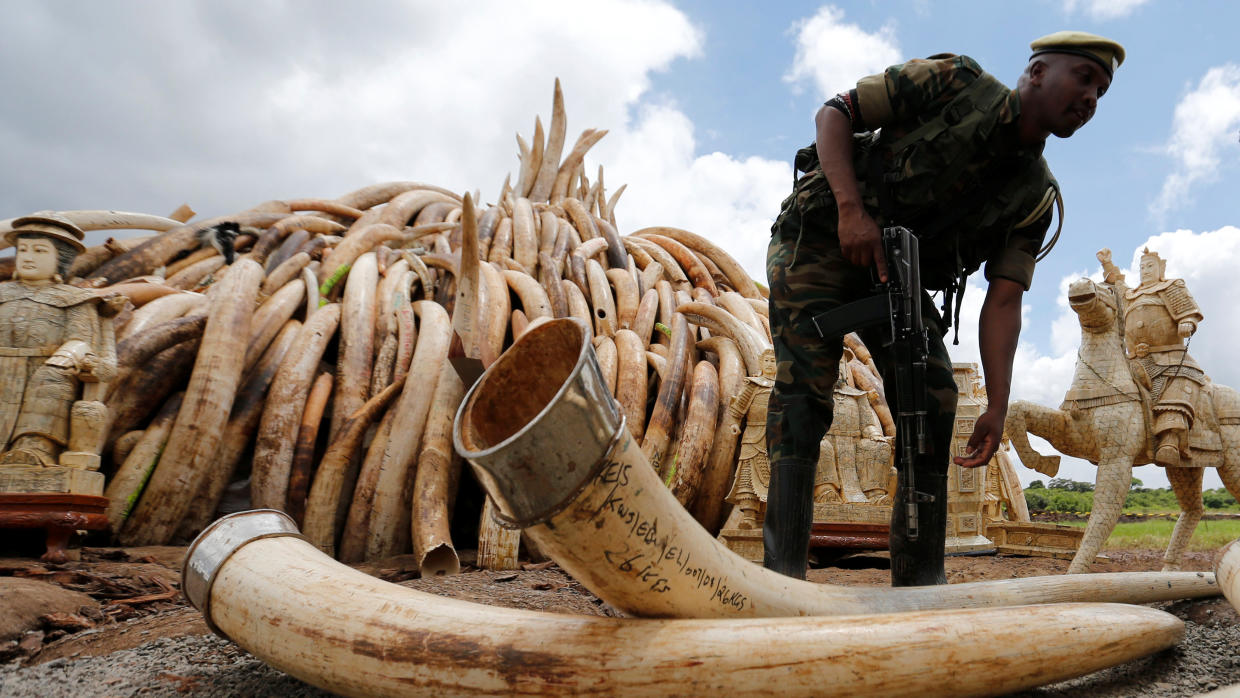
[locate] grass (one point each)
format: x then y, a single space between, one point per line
1156 533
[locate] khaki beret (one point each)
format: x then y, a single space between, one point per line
47 224
1105 52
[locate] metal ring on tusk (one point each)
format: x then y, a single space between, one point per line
217 542
535 450
512 524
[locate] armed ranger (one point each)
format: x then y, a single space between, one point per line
896 306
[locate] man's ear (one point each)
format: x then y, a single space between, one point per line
1037 71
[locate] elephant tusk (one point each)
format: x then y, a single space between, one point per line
283 273
167 307
534 300
356 345
239 433
631 385
438 473
601 299
644 319
608 360
200 423
736 275
1226 569
687 261
130 478
618 531
685 472
627 298
389 523
161 249
524 237
544 178
282 410
711 507
259 584
88 220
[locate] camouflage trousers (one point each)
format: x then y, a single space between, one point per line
808 275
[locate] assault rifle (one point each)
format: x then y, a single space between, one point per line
896 305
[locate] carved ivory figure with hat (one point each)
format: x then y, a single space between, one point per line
1159 315
53 338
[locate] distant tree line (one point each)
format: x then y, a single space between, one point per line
1064 495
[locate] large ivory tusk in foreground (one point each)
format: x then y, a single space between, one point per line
549 444
1227 569
259 584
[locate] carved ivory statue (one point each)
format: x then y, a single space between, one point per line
753 469
53 338
1159 314
855 450
1136 397
855 457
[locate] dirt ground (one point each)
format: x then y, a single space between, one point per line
127 631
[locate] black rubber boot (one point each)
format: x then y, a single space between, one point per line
920 562
789 515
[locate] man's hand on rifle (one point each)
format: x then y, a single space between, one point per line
987 434
861 240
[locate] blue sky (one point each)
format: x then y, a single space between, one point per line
144 106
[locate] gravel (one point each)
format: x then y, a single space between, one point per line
201 666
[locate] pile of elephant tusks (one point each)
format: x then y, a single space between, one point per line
319 354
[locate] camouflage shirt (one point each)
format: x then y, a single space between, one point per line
993 191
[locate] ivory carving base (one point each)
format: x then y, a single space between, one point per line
51 480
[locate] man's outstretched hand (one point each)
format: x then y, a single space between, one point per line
987 434
861 241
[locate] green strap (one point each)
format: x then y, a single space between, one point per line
985 91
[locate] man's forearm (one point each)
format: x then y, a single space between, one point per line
835 155
998 335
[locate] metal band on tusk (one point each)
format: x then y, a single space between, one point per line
536 449
217 542
518 524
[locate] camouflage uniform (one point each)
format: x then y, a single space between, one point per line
972 197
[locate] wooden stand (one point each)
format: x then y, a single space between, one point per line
59 514
841 537
1036 538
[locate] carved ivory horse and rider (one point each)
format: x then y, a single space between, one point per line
1136 399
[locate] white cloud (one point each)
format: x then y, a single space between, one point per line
445 109
235 121
729 200
241 119
1206 261
832 54
1103 9
1204 135
200 104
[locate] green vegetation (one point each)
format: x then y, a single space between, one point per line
1154 534
1070 496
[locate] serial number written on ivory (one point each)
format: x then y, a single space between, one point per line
652 556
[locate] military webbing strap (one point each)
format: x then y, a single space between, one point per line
985 91
974 113
1052 195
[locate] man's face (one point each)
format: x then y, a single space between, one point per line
36 258
1070 87
1149 270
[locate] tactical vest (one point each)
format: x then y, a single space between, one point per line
916 175
923 166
